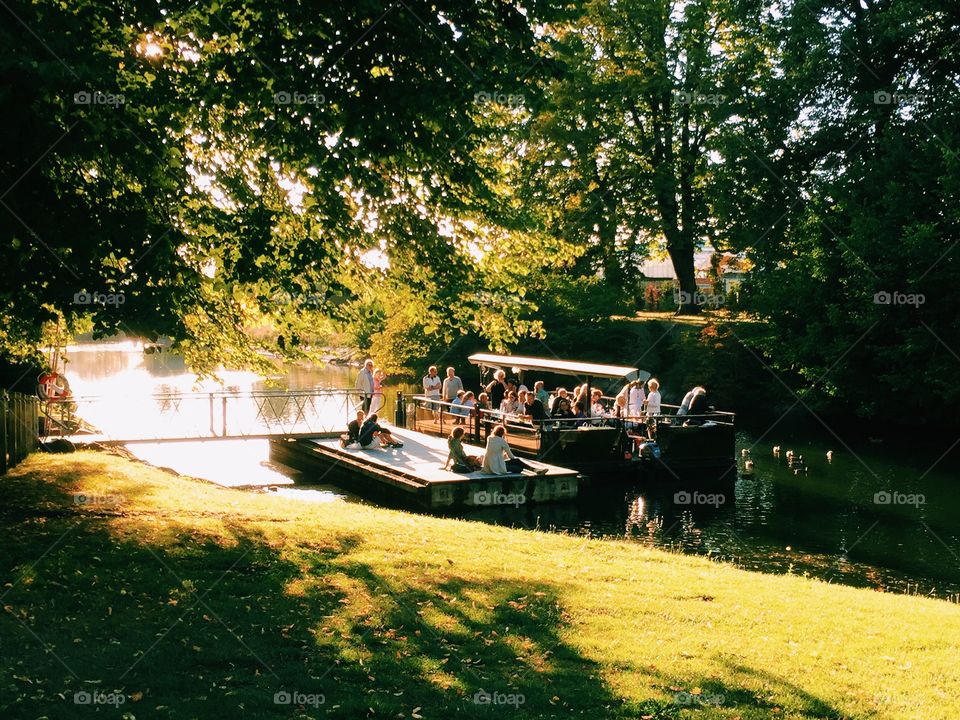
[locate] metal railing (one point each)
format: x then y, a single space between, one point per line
201 416
440 417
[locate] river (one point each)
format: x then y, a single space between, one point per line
875 516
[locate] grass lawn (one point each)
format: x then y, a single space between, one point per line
154 596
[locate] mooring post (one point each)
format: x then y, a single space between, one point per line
400 413
4 410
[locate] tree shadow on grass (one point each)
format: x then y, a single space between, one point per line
181 623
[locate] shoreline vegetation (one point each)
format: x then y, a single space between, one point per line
182 598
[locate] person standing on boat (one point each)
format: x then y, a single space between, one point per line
452 385
653 399
635 399
496 389
499 458
431 388
541 392
687 399
377 401
533 409
365 384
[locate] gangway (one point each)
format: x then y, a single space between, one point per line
202 416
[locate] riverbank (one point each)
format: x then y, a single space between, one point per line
186 599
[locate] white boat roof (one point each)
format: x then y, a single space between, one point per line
561 367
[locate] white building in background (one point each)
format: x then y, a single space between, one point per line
658 281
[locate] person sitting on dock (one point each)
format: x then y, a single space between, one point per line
353 430
499 458
462 462
372 435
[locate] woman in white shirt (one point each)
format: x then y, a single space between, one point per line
499 458
653 398
635 399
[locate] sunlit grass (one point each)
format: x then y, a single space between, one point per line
219 599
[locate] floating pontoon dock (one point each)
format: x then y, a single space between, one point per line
414 473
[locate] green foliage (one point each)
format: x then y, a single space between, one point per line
196 159
871 187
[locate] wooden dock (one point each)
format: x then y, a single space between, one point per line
414 473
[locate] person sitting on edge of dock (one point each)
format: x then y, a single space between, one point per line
499 458
462 462
353 430
372 435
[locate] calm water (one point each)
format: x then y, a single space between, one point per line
876 516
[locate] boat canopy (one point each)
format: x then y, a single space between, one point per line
561 367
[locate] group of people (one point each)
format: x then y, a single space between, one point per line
370 384
509 399
366 431
498 459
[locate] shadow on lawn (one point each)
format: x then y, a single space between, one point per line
194 626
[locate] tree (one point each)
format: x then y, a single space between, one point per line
175 167
854 278
625 151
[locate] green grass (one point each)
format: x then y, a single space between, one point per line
194 601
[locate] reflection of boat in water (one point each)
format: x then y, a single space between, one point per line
668 444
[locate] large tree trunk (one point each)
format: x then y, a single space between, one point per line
681 255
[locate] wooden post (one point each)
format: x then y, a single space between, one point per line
213 427
224 416
4 410
15 430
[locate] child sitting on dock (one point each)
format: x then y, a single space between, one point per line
353 430
372 435
462 463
